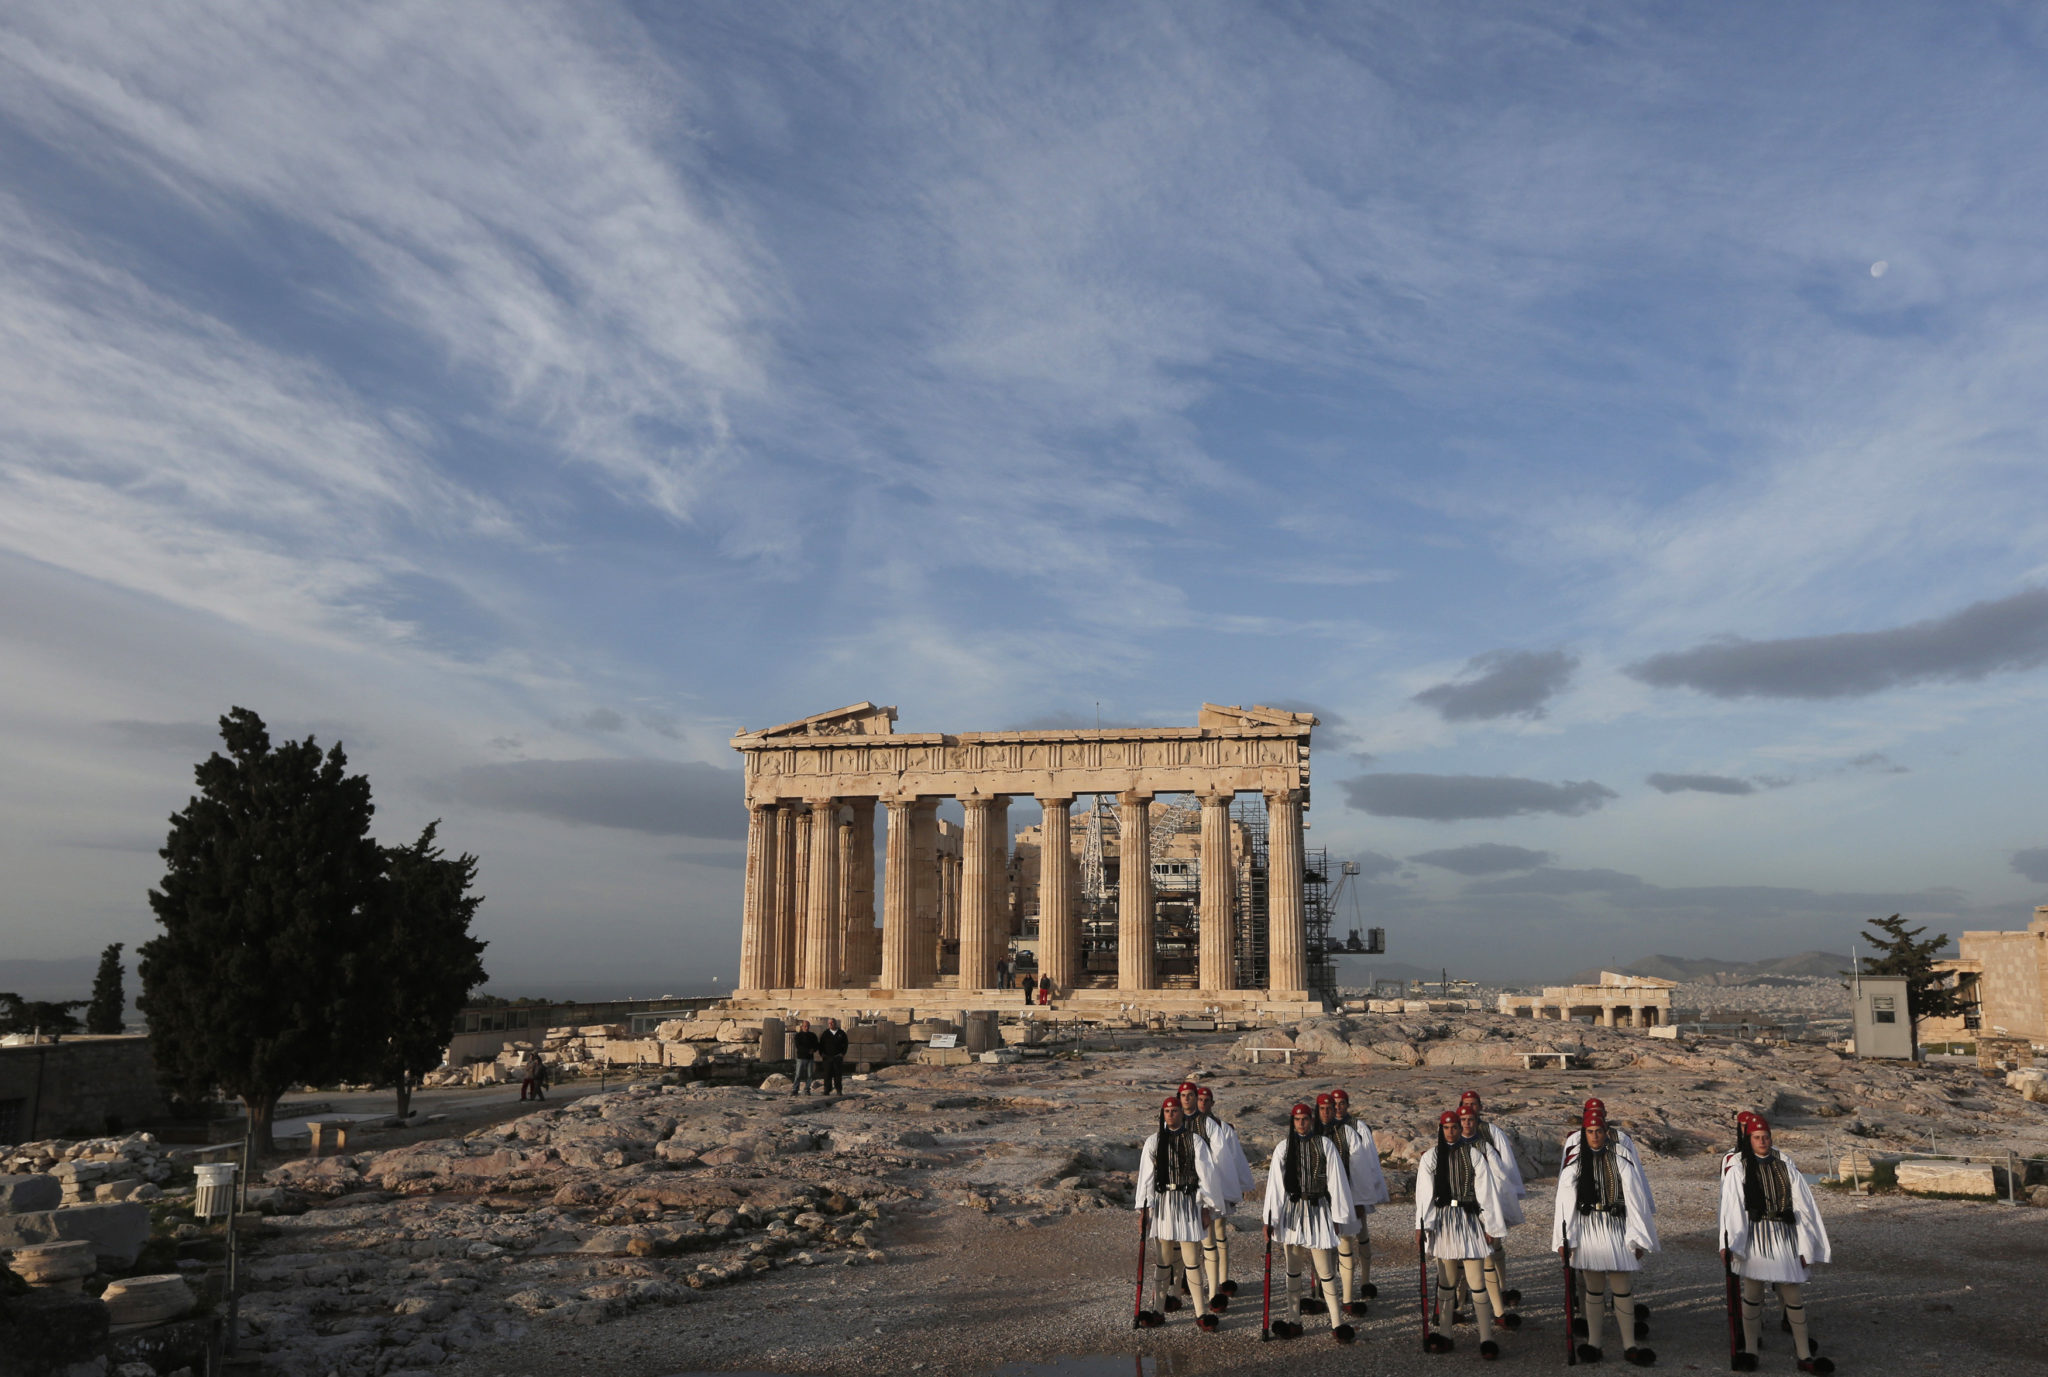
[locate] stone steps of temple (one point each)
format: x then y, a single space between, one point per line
1086 1004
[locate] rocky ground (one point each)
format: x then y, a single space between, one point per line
958 1219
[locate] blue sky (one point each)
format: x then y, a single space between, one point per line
1623 425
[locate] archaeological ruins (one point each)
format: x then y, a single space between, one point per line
953 898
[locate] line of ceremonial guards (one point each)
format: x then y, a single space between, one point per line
1323 1183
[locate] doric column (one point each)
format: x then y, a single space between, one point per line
864 959
1219 878
1134 958
757 921
790 864
949 909
924 845
999 905
1059 927
1286 936
899 898
977 960
821 900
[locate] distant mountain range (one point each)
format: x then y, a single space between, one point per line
1719 972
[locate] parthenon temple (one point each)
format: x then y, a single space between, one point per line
1138 916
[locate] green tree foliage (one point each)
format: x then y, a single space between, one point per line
18 1015
109 998
428 962
266 972
1900 950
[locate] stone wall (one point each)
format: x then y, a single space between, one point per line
2014 984
78 1088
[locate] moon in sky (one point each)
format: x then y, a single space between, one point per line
1877 268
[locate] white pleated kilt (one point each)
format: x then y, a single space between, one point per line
1177 1217
1307 1226
1457 1235
1773 1255
1600 1244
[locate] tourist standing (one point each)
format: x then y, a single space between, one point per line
832 1045
1460 1216
1044 989
1771 1231
1178 1183
1308 1189
1602 1225
803 1046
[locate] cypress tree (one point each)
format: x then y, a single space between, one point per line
427 960
263 975
109 999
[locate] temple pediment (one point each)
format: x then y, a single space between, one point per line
858 719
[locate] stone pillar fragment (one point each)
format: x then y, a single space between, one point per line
821 900
758 915
789 920
1059 926
1219 879
1134 916
900 927
1286 933
977 958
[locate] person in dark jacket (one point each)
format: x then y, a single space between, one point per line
803 1046
832 1047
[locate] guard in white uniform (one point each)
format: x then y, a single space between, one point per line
1235 1171
1178 1182
1368 1192
1308 1189
1602 1226
1771 1231
1459 1214
1473 1124
1638 1324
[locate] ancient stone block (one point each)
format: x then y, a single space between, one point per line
27 1194
148 1300
1948 1178
117 1232
54 1264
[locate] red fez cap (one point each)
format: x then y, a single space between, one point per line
1189 1085
1593 1114
1170 1102
1300 1108
1757 1121
1592 1105
1338 1094
1470 1097
1447 1118
1205 1093
1325 1098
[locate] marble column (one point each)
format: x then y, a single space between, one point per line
803 894
789 917
1134 916
999 903
1286 935
949 873
1219 879
849 931
1059 926
821 899
977 959
757 922
924 846
899 898
860 910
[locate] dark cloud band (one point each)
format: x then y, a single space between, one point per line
1484 858
1984 638
1699 784
1503 683
1451 798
